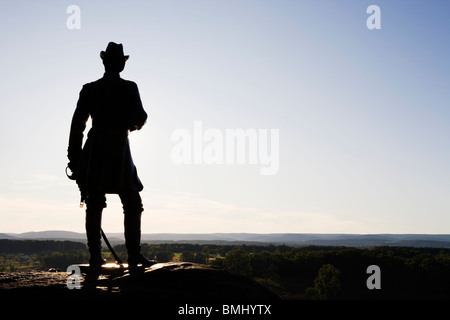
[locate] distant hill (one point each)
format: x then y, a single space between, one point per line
302 239
6 236
291 239
52 234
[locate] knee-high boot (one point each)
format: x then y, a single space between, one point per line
132 223
93 225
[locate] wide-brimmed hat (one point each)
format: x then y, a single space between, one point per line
113 51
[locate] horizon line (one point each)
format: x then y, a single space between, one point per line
212 233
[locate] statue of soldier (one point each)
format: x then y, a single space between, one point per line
104 165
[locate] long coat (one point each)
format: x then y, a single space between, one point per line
104 164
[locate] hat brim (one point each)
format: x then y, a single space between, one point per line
103 55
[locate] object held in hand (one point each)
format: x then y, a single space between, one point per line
71 176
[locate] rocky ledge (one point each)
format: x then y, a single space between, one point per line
171 281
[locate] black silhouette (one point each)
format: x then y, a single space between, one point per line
104 165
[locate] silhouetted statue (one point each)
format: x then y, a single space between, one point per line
104 165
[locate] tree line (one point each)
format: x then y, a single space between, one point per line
33 246
341 273
311 272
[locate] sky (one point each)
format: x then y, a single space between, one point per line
362 114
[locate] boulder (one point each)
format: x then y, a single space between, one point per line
163 281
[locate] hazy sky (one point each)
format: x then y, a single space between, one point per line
363 115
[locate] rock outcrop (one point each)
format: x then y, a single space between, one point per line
164 281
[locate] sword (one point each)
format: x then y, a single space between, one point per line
118 261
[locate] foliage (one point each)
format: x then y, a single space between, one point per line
62 260
196 257
33 246
238 261
311 272
327 284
